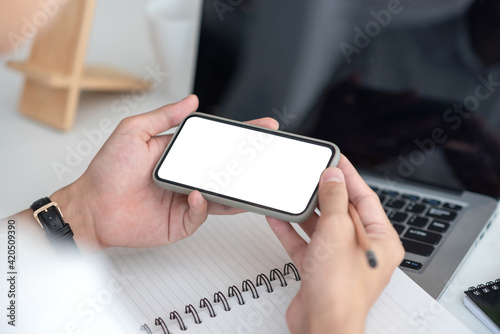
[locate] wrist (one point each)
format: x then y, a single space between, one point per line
75 205
345 320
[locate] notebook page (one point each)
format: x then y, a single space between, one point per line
265 314
229 249
225 251
404 307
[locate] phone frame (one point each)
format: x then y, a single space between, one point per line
235 202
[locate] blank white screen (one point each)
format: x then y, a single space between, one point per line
246 164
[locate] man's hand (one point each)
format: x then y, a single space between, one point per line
338 286
116 203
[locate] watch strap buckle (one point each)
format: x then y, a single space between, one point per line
45 208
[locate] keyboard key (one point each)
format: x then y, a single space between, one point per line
451 206
417 247
441 214
395 203
415 208
418 221
424 236
374 188
391 193
382 198
431 201
413 198
399 228
438 226
398 217
411 264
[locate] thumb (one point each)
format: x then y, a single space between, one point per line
197 212
157 121
333 199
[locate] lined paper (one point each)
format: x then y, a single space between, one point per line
225 251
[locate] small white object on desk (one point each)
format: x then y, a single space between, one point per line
174 28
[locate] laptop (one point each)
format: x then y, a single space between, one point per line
406 102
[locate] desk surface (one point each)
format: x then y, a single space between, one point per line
32 152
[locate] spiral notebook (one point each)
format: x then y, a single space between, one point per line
233 276
484 302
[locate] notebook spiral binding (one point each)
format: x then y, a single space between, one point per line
485 288
233 291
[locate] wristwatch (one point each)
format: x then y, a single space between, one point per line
50 218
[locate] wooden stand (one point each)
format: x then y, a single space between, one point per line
56 72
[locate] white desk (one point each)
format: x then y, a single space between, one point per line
29 149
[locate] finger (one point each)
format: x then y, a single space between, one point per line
158 144
365 200
221 209
309 226
197 212
336 227
266 122
333 200
157 121
293 243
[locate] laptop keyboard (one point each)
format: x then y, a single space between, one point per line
421 222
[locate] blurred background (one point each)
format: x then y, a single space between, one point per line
30 151
378 78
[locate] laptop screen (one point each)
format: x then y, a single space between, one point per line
407 90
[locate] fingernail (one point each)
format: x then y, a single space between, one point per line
200 200
333 174
277 124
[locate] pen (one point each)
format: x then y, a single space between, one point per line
363 240
362 237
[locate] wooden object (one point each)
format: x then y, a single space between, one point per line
56 72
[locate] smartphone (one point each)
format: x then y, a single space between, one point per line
269 172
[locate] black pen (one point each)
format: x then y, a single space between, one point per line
363 240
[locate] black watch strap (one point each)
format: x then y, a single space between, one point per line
50 218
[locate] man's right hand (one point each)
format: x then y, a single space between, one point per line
338 286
